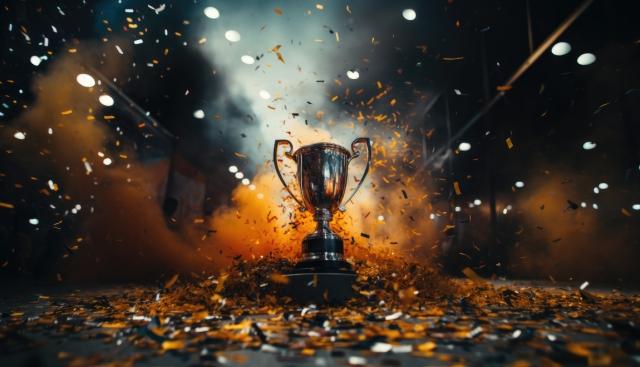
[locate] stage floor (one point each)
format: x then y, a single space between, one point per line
488 324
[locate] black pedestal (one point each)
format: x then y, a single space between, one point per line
321 282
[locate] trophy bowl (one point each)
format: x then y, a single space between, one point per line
322 173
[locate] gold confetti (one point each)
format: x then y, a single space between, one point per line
114 325
6 205
172 344
469 273
456 188
509 143
171 282
426 347
276 49
279 278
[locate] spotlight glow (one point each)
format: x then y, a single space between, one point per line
233 169
586 59
247 59
211 12
106 100
409 14
232 36
561 49
464 146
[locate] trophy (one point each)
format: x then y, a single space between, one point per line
322 172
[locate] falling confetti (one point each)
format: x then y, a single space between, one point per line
106 100
199 114
35 60
264 94
246 59
211 12
586 59
464 146
232 36
353 74
561 49
85 80
509 143
409 14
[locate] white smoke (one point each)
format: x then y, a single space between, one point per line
308 49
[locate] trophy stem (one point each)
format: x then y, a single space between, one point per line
323 218
322 244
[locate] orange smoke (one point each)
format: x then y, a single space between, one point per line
558 241
389 214
122 232
120 229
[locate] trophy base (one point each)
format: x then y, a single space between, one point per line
320 287
322 276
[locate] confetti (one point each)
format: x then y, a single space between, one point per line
171 281
456 188
276 49
509 143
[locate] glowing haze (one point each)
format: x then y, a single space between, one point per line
301 63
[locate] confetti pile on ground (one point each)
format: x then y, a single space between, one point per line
404 314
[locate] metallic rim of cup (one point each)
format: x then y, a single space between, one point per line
324 145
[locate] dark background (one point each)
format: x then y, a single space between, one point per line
552 110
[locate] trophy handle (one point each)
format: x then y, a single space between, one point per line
275 163
356 154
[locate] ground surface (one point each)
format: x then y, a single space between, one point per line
197 323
